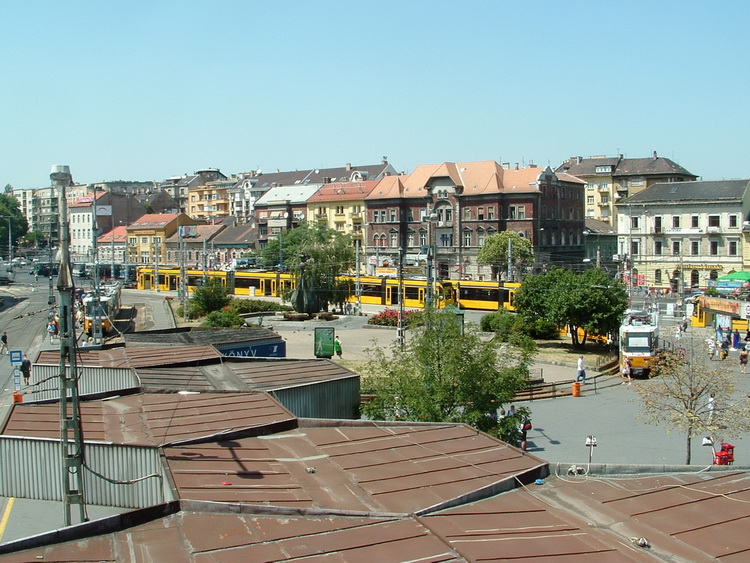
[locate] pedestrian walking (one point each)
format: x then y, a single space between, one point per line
627 368
581 375
51 330
724 349
26 369
736 339
711 349
337 347
4 341
743 360
711 406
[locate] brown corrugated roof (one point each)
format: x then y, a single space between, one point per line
356 466
121 357
267 374
154 419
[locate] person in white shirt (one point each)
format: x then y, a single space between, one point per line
581 370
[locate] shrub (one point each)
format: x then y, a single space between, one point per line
211 297
389 317
241 306
503 323
224 318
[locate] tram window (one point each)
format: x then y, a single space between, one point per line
372 290
411 292
245 283
479 294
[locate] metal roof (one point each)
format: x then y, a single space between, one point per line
352 466
268 374
154 419
120 357
199 336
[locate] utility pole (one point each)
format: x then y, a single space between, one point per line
358 286
510 259
71 435
400 336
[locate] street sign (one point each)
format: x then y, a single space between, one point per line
16 357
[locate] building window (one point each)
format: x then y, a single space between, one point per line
694 221
491 212
713 221
713 248
480 213
393 215
658 247
422 238
144 240
394 240
733 221
410 239
340 225
590 200
657 276
467 238
339 210
676 222
733 248
382 217
590 186
374 216
695 248
511 212
446 239
467 213
605 199
480 238
676 247
634 222
635 247
132 241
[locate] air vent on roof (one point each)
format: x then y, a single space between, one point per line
673 190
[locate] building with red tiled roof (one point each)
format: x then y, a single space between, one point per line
454 207
147 236
341 206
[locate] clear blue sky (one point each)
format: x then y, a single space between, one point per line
143 90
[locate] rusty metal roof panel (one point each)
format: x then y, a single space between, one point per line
517 525
155 419
121 357
268 374
227 537
175 378
407 469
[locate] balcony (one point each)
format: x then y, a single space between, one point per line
356 217
713 230
321 217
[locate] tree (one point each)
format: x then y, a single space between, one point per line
495 251
589 300
316 255
10 207
678 397
442 375
211 297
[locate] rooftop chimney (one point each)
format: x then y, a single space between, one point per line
655 156
348 166
516 166
506 165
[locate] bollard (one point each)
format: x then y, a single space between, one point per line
576 388
17 397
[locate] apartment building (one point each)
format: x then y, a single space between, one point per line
454 207
611 180
685 234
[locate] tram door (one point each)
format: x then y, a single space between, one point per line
388 297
